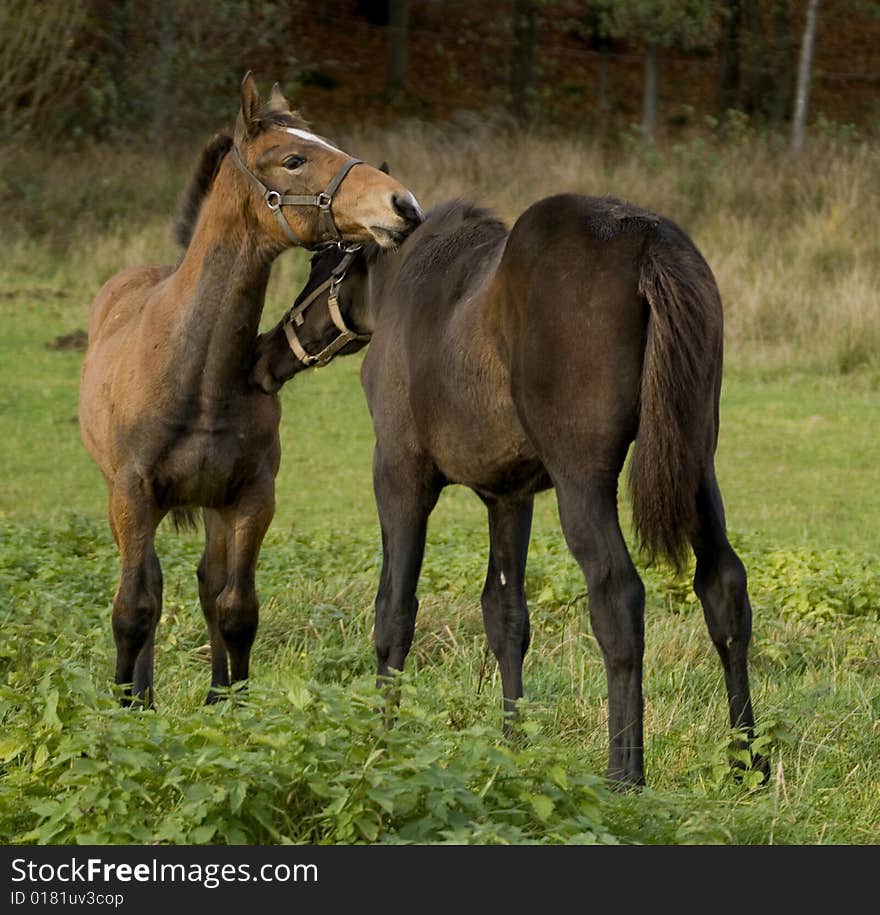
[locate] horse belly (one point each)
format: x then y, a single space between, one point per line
489 453
204 476
461 404
209 469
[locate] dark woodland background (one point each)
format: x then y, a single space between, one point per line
161 69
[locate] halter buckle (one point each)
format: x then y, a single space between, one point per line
323 201
273 200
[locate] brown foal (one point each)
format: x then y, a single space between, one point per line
165 407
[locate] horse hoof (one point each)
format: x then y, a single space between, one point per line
759 764
625 782
762 764
136 702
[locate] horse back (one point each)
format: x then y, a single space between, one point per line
121 300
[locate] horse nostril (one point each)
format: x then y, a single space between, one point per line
407 208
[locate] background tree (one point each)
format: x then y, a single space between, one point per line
165 56
522 60
783 63
398 38
592 27
756 59
757 82
38 66
660 24
802 95
109 70
729 57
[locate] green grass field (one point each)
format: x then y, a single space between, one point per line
303 757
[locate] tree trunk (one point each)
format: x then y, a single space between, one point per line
728 80
784 49
116 38
757 73
602 91
37 69
802 95
117 51
323 12
164 70
649 99
398 37
525 31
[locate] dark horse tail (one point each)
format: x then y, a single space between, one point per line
184 519
678 419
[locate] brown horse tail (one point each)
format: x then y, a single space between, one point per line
184 519
198 186
678 418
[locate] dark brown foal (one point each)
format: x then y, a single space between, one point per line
515 361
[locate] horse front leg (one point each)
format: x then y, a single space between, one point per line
505 611
212 579
406 493
236 607
137 604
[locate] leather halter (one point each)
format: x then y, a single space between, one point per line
295 315
275 200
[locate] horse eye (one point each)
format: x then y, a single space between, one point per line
292 163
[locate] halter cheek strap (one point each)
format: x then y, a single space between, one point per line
295 316
275 201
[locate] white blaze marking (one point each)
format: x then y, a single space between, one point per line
310 137
414 202
503 579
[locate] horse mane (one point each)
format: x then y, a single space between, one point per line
199 185
209 163
454 215
273 117
451 243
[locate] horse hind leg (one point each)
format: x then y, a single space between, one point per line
137 604
588 514
212 580
505 611
721 585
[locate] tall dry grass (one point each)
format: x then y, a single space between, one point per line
793 243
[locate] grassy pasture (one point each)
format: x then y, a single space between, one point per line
303 759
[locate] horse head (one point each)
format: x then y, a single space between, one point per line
327 318
314 193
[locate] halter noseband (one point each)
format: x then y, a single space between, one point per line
295 315
274 200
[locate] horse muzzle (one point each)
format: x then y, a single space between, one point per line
410 217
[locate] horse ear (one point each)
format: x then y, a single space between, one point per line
384 168
277 101
248 123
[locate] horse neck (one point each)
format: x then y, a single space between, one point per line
218 291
